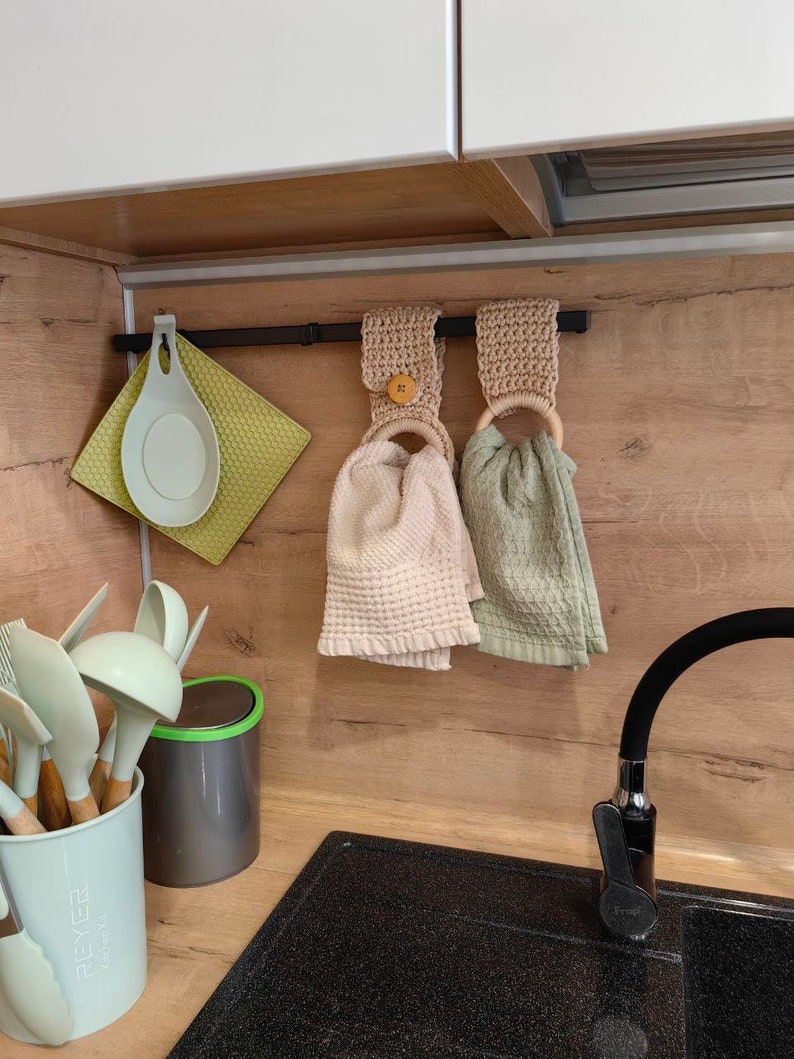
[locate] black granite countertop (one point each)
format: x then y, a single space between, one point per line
384 949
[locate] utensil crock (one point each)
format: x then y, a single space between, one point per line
80 895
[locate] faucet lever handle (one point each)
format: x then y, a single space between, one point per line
623 907
612 844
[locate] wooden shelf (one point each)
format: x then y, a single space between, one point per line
481 201
415 204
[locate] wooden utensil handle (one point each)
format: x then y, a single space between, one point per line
24 823
98 780
32 803
53 810
116 792
84 809
5 764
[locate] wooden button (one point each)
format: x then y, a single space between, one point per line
401 389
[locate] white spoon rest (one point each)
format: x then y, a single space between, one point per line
169 450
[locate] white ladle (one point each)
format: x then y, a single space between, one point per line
31 735
77 630
169 450
143 682
51 685
162 617
101 771
104 762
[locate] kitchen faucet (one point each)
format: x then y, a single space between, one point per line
626 825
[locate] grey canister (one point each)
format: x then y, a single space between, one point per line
201 795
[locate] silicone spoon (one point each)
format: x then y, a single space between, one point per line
31 734
143 682
77 630
15 814
27 979
162 617
169 449
52 686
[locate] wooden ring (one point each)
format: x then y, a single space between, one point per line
411 425
550 418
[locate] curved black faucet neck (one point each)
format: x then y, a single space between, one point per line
625 826
764 624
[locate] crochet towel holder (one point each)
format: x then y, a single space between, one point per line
517 359
402 363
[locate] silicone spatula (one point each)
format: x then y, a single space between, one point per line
79 627
50 684
31 734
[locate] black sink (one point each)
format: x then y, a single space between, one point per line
387 949
738 983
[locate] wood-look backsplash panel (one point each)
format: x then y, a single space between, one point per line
58 542
678 407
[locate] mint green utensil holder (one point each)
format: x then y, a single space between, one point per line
79 893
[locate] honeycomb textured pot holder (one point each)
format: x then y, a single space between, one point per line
258 445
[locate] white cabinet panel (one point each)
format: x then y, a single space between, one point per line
103 95
552 74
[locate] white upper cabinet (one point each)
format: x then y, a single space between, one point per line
102 95
545 75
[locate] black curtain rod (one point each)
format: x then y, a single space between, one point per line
307 334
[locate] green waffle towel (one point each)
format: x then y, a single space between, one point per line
540 600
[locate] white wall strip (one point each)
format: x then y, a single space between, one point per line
726 240
128 299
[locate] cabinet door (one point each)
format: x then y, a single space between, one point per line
103 95
542 75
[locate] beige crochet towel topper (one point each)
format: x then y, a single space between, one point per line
517 358
402 362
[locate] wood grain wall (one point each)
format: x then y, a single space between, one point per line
58 543
678 407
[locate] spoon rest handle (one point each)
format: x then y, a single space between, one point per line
165 328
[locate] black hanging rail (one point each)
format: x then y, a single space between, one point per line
308 334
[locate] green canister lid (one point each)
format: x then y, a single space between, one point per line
214 708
